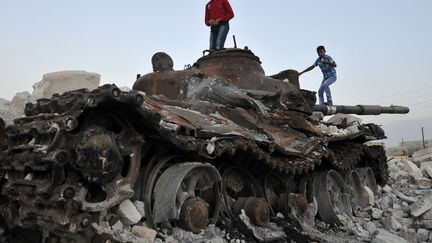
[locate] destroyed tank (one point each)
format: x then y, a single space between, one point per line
209 144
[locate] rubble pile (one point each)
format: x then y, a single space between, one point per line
402 209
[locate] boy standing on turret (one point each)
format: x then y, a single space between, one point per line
218 13
327 66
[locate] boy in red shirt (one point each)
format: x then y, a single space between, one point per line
218 13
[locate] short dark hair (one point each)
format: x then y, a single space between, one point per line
320 48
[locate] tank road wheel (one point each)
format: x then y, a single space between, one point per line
276 191
358 194
240 190
179 196
331 194
151 175
367 178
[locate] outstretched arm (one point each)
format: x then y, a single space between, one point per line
307 69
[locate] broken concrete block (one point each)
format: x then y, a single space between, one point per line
140 207
421 206
390 223
371 227
128 213
426 168
422 155
427 224
413 170
145 233
6 111
344 120
422 235
405 198
18 103
118 226
406 222
397 214
385 236
427 215
376 213
387 188
60 82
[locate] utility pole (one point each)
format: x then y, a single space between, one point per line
424 146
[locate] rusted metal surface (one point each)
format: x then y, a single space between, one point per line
194 215
256 209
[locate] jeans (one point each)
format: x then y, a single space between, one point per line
325 88
218 35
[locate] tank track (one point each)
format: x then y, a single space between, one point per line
345 155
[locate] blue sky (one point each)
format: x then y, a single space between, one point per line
383 48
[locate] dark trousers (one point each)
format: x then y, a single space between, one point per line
218 35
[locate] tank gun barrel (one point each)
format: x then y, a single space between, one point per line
361 109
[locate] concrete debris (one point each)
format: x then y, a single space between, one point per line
60 82
423 235
128 213
413 170
405 198
262 234
317 116
144 233
121 236
390 223
426 168
427 215
6 111
422 155
385 236
344 120
118 226
427 224
371 227
376 213
139 205
421 206
387 188
18 103
338 132
406 222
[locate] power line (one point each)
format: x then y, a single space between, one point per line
421 102
421 108
411 97
391 95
